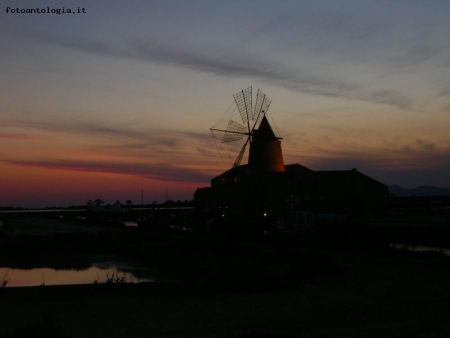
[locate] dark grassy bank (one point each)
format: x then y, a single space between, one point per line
346 282
221 261
371 296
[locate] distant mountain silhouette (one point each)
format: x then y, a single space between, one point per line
419 191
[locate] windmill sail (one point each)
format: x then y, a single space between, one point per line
261 108
251 121
235 131
243 101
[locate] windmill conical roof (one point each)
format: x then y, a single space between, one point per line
265 132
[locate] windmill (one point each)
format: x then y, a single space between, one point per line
251 120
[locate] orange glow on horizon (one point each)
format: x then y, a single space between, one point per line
40 187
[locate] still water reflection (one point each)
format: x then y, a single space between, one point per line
100 273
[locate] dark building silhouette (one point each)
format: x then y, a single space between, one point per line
266 187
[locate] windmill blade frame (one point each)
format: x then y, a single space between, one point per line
251 119
244 103
235 131
261 107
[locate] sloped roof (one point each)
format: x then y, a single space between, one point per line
344 175
242 170
297 169
238 171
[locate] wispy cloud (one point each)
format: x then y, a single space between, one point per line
427 146
98 148
19 137
161 172
224 62
134 135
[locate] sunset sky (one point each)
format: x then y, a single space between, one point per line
121 98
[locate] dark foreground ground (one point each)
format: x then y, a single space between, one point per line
225 288
373 297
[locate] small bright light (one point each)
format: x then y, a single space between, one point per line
223 215
265 214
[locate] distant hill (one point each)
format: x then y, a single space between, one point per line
419 191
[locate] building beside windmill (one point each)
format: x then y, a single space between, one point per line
266 187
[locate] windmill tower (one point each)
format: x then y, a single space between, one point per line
265 153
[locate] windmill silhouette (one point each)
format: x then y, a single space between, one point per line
252 120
